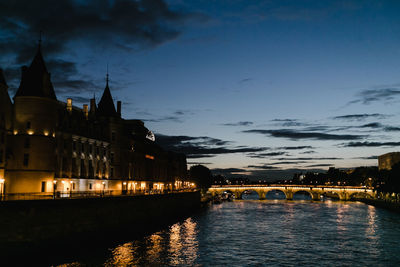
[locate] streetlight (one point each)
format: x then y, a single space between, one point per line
54 188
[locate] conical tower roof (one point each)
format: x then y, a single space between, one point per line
35 79
106 105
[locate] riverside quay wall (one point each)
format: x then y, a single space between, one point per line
23 223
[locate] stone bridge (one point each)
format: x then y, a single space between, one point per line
315 191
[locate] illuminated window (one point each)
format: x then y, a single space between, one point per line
26 159
149 157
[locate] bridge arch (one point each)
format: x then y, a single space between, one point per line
358 195
297 193
331 194
343 193
270 192
246 194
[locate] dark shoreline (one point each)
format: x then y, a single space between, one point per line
392 206
153 214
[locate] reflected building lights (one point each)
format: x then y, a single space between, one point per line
175 245
190 241
371 229
155 247
122 255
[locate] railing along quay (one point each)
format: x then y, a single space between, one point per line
87 194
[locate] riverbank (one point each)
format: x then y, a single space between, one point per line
33 226
393 206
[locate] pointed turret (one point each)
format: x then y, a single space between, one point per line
106 105
35 80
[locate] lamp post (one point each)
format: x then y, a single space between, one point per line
2 193
71 187
54 189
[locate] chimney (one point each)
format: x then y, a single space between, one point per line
119 108
69 104
86 111
92 105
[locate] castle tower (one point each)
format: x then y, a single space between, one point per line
32 161
5 127
113 130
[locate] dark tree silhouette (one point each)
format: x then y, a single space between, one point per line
201 175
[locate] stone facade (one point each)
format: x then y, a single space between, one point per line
386 161
49 146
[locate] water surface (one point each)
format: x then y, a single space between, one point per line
269 233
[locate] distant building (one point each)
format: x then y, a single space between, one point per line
386 161
49 146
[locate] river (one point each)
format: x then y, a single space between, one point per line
267 233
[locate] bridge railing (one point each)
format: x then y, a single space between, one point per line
293 186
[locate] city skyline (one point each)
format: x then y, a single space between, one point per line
260 89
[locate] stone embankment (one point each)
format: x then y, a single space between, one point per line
390 201
26 223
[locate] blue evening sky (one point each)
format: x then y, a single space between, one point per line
263 88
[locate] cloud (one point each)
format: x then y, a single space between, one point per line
391 129
311 158
295 147
263 172
230 172
258 11
245 80
372 125
203 146
299 135
369 157
371 144
262 167
198 163
264 155
359 117
294 162
320 165
119 24
369 96
308 152
289 122
177 116
240 123
80 99
176 119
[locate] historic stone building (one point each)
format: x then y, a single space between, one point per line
388 160
49 146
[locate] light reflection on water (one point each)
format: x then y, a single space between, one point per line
271 233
